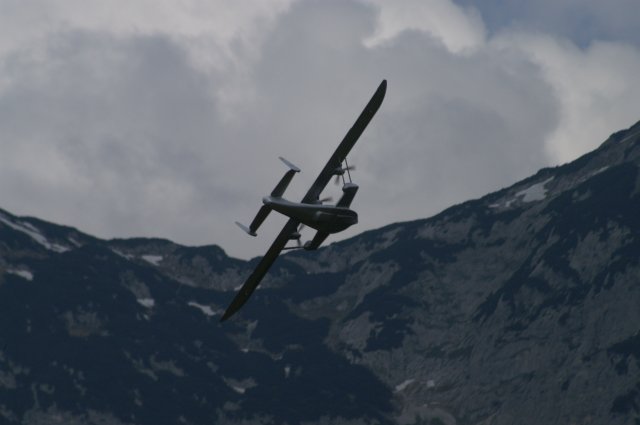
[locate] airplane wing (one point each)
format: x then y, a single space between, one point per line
347 143
261 269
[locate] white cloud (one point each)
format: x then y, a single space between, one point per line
224 20
596 88
457 28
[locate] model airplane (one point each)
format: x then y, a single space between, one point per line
325 219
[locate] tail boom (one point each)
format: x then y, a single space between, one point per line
277 192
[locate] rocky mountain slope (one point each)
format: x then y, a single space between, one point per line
520 307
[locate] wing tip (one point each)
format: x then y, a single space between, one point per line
231 310
246 229
378 96
289 164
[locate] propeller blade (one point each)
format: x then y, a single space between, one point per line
340 173
299 240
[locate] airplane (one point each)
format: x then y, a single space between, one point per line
310 212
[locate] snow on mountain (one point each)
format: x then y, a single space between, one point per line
146 302
535 192
153 259
25 274
31 231
205 309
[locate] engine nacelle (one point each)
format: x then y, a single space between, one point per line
348 193
295 236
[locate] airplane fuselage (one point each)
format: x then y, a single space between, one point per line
324 218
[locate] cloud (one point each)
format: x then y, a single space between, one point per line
167 120
225 20
106 132
596 89
456 27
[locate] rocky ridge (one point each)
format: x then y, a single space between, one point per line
519 307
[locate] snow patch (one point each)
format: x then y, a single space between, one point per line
404 385
121 254
147 302
238 386
25 274
153 259
205 309
535 192
74 242
599 170
34 234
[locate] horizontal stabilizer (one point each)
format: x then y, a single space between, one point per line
285 180
283 184
290 165
246 229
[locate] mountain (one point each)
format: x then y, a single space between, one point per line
519 307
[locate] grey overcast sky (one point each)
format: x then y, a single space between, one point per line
164 118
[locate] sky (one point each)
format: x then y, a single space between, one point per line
159 118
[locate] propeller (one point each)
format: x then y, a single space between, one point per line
340 173
297 238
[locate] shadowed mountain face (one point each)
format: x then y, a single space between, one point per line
520 307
